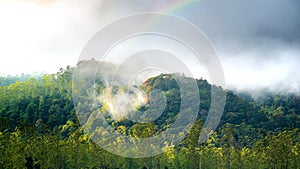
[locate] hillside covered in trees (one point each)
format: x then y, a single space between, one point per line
39 128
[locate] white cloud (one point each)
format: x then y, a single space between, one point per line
256 49
43 37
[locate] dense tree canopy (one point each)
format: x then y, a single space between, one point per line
39 128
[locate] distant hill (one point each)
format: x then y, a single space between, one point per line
10 79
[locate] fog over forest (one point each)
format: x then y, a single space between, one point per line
258 42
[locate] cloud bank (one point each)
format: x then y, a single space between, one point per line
258 41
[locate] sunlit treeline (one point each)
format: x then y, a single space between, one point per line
21 149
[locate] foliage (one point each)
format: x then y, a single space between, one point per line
39 129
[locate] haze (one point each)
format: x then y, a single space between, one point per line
258 42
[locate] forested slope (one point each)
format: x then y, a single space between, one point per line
39 129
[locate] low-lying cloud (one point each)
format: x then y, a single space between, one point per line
258 41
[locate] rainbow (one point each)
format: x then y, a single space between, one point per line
171 8
177 5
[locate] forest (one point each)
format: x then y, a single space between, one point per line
39 128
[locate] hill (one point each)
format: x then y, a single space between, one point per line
40 127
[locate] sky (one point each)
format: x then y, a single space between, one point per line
258 42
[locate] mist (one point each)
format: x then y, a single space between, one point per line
258 42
